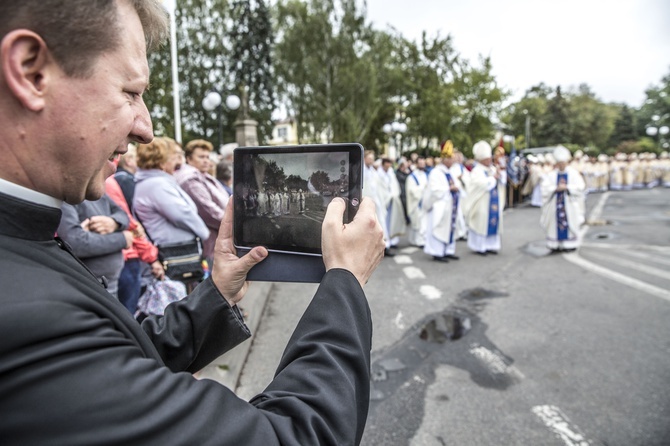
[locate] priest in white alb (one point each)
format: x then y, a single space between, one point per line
415 184
483 207
562 203
441 201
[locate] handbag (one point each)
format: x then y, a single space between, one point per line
158 295
182 261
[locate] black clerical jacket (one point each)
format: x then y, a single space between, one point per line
76 368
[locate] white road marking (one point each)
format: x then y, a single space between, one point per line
403 260
663 274
653 248
494 362
595 214
617 277
412 272
398 321
409 250
649 257
430 292
556 420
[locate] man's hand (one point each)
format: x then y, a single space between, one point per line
139 231
358 246
129 239
102 224
230 272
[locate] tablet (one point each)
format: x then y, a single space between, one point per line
281 193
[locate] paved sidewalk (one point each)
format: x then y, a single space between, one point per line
227 368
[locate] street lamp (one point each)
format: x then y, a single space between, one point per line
525 112
213 100
394 130
655 131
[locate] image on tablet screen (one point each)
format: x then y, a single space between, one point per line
281 198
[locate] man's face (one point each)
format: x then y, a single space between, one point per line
486 161
386 166
369 160
94 119
421 164
448 161
200 159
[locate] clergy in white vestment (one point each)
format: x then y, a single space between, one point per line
484 205
376 190
562 208
396 222
461 177
441 201
414 186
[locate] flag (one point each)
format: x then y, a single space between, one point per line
512 166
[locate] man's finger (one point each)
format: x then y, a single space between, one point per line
226 227
367 206
253 257
335 212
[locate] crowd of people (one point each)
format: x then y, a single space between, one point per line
161 194
602 172
449 198
437 201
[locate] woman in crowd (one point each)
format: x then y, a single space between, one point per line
167 213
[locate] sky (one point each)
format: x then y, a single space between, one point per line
618 47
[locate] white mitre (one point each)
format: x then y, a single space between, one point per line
482 150
562 154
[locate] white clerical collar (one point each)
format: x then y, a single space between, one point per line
26 194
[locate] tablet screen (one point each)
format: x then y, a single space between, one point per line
281 193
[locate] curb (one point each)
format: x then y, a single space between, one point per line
226 369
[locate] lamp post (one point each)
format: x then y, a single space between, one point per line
394 131
525 112
213 100
655 131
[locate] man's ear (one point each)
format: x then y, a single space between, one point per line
24 61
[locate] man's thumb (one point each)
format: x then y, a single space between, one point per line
254 257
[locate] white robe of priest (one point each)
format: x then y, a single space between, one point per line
461 176
562 213
395 215
439 203
374 188
483 209
414 187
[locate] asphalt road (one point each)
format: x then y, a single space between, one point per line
522 348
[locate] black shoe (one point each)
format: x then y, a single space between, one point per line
388 253
452 256
569 249
441 259
495 253
479 253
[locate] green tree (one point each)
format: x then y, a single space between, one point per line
202 61
655 112
624 128
324 67
555 128
531 109
591 122
479 99
252 38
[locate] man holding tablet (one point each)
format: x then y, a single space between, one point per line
76 368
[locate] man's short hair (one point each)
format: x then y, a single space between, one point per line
197 144
78 31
